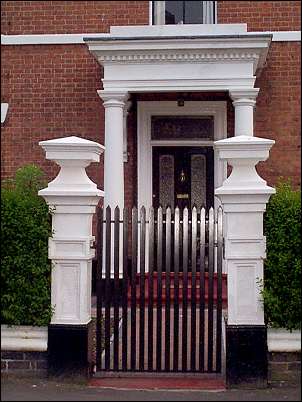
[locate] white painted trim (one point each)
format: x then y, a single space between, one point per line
285 36
282 340
4 109
177 85
144 152
216 14
24 338
150 13
73 39
49 39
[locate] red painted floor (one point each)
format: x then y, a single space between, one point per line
159 383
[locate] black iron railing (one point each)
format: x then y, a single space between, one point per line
160 290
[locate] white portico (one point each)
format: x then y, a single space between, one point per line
195 58
191 58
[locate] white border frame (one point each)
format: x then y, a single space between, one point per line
146 109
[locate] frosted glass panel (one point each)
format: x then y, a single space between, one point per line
198 181
166 181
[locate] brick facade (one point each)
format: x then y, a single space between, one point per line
261 15
51 89
24 363
40 17
284 368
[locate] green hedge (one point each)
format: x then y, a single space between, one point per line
25 268
282 268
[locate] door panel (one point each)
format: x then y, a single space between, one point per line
183 177
198 180
166 180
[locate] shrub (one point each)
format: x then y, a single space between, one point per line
282 268
25 270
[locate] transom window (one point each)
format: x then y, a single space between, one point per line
183 12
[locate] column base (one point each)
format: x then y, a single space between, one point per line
246 356
70 350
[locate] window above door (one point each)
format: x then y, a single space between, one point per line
183 12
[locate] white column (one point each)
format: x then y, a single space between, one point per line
114 103
244 101
244 196
72 198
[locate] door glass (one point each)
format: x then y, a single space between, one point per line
166 181
198 181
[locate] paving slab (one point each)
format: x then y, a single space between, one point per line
16 389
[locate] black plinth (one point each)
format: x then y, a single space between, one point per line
69 350
246 356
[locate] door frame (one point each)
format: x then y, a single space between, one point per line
147 109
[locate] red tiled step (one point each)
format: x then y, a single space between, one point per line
172 290
145 383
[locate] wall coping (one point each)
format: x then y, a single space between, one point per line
24 338
282 340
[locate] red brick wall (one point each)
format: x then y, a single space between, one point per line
34 17
261 15
278 112
40 17
51 90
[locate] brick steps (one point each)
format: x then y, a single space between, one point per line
172 288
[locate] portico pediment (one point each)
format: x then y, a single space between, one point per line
165 58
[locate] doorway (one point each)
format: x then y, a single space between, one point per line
183 176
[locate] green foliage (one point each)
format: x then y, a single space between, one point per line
282 269
25 268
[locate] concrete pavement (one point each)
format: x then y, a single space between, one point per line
16 389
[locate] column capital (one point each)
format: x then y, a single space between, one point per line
113 98
244 96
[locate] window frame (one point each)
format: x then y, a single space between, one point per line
151 14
